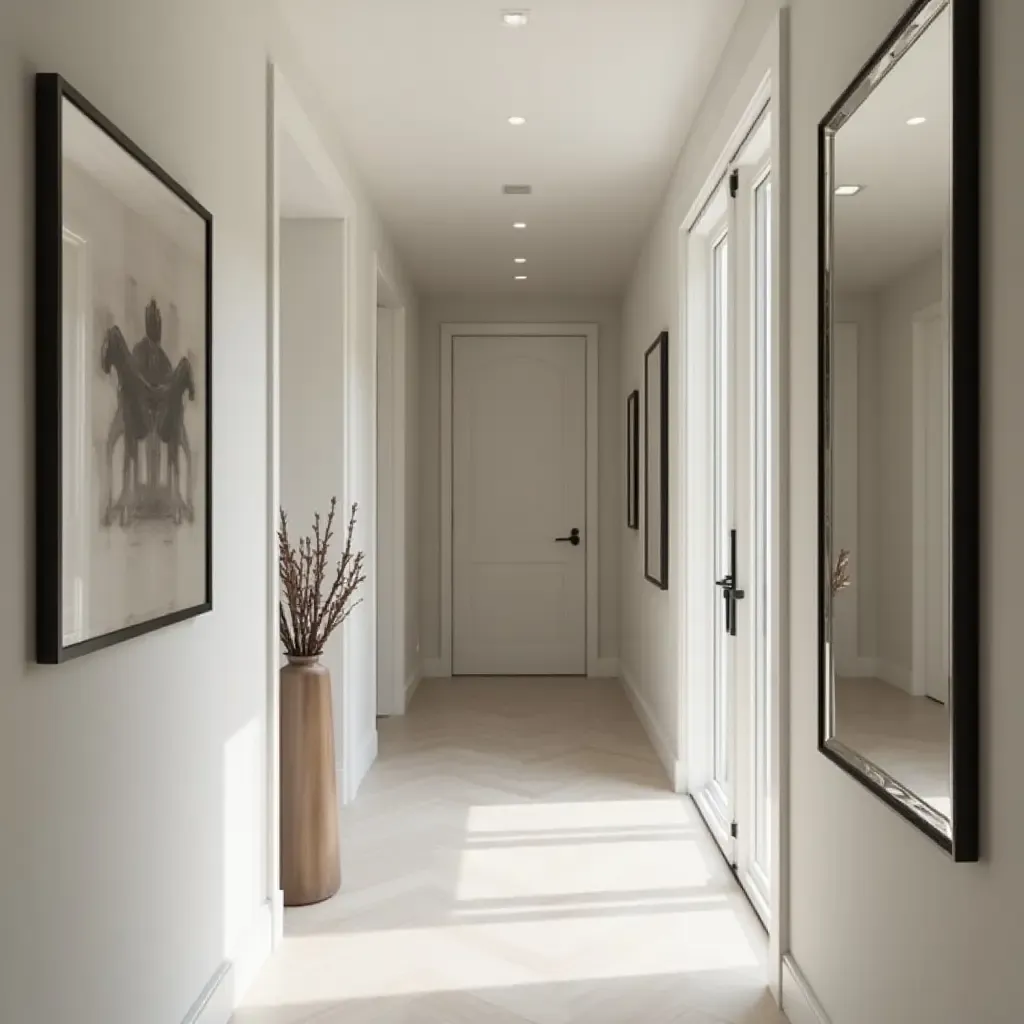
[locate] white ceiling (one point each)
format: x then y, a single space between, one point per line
900 217
422 91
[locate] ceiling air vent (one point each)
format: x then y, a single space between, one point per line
517 190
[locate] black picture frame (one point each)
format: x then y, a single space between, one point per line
959 835
633 460
51 92
656 470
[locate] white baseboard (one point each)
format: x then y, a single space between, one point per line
896 675
224 991
433 668
366 754
412 684
799 1003
663 748
277 919
876 668
858 668
604 668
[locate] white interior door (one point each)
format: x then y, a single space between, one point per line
731 284
519 455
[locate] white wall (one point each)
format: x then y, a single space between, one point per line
612 413
132 782
884 926
651 647
132 845
368 251
897 305
312 384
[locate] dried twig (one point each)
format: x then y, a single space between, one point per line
841 573
307 617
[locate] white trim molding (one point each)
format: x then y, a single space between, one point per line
412 684
674 768
449 332
362 762
799 1003
229 983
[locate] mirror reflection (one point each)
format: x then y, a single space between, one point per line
890 421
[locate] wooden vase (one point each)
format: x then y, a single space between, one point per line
310 855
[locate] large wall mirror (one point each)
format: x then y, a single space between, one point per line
899 424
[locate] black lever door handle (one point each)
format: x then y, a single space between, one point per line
573 538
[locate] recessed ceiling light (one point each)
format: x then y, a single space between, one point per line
515 19
517 120
914 121
519 224
848 190
520 277
520 259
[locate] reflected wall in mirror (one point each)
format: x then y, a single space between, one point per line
899 444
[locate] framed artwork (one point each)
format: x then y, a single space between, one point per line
633 460
124 321
656 462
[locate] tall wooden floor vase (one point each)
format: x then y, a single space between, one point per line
310 855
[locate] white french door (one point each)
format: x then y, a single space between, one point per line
730 271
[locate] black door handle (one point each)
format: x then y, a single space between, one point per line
730 592
573 538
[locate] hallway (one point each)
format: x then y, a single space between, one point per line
515 855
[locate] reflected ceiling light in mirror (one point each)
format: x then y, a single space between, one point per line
848 190
516 120
520 277
915 121
519 224
520 259
515 19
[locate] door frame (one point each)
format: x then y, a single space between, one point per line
768 87
919 503
450 331
391 346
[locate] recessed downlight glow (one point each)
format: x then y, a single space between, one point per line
915 121
520 277
519 224
517 120
515 19
520 259
848 190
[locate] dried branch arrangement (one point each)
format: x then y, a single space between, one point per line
841 573
307 617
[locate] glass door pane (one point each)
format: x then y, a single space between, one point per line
761 569
723 515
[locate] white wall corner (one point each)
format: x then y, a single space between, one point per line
366 754
799 1003
434 668
226 988
604 668
412 684
674 768
277 918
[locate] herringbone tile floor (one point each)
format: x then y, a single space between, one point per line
515 856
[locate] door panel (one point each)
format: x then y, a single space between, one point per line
518 484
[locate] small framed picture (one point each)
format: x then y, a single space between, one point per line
656 462
123 392
633 460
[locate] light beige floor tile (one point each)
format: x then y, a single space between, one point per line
515 856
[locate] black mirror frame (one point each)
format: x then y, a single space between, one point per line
961 837
656 574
